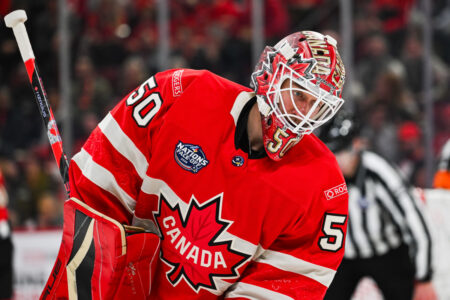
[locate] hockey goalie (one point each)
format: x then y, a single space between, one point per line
195 187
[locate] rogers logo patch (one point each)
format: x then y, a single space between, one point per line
336 191
177 88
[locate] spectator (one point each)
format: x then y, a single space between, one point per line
380 130
48 211
412 60
105 43
375 61
214 35
411 154
390 89
91 91
133 73
394 16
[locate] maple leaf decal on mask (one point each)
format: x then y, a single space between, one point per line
192 246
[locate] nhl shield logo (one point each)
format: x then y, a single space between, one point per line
190 157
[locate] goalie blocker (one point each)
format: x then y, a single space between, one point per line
99 258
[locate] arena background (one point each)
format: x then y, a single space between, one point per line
91 53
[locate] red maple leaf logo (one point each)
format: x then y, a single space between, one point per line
191 245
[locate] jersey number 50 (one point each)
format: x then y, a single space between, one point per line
145 109
334 235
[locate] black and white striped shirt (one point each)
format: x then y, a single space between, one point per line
383 214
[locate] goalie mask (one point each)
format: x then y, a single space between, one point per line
303 65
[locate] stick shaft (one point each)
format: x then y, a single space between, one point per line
49 121
15 20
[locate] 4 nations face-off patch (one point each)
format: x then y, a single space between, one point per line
190 157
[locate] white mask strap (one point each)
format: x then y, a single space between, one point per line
263 107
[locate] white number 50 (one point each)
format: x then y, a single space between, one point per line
146 109
334 235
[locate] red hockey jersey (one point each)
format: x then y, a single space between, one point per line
231 227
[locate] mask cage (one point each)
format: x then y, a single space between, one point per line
323 109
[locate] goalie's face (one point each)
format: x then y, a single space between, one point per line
299 104
292 107
296 103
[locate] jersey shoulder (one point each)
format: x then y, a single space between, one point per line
202 96
321 163
180 82
310 170
312 154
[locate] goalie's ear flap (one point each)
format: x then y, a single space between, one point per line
94 257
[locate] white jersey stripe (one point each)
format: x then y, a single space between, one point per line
293 264
123 144
278 260
102 178
239 104
253 292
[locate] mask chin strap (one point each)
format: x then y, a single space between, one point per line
263 107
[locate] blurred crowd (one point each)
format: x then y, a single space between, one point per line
114 48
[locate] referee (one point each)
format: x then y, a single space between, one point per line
387 236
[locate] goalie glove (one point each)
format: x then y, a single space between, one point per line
100 258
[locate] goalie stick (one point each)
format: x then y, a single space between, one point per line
16 20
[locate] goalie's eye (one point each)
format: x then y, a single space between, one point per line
298 94
303 99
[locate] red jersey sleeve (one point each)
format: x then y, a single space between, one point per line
108 171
